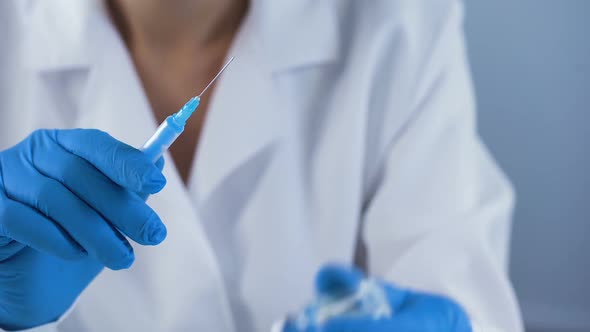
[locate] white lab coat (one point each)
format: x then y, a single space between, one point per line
344 129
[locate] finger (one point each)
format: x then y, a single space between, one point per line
9 249
160 163
26 226
122 163
120 207
359 324
396 296
427 307
77 219
402 323
338 280
291 326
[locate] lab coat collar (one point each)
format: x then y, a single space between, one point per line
243 117
56 35
294 33
297 33
246 118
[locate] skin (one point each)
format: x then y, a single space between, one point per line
177 46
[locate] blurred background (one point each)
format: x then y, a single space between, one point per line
531 67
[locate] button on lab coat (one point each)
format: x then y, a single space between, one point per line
344 131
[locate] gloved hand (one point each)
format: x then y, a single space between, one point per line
412 311
67 203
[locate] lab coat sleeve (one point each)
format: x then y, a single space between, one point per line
438 216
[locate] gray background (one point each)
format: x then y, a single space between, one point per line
531 66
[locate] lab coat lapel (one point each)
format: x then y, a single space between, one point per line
247 113
243 118
169 284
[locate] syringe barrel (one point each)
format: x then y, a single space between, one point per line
166 134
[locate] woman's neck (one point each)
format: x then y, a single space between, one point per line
177 44
163 26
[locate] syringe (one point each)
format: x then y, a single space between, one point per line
173 126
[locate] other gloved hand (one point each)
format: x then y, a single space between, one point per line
67 203
412 311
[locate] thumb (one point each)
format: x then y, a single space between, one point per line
291 326
336 281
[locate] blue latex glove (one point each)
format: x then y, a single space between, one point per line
67 203
412 311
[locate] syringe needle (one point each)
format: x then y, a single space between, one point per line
216 76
